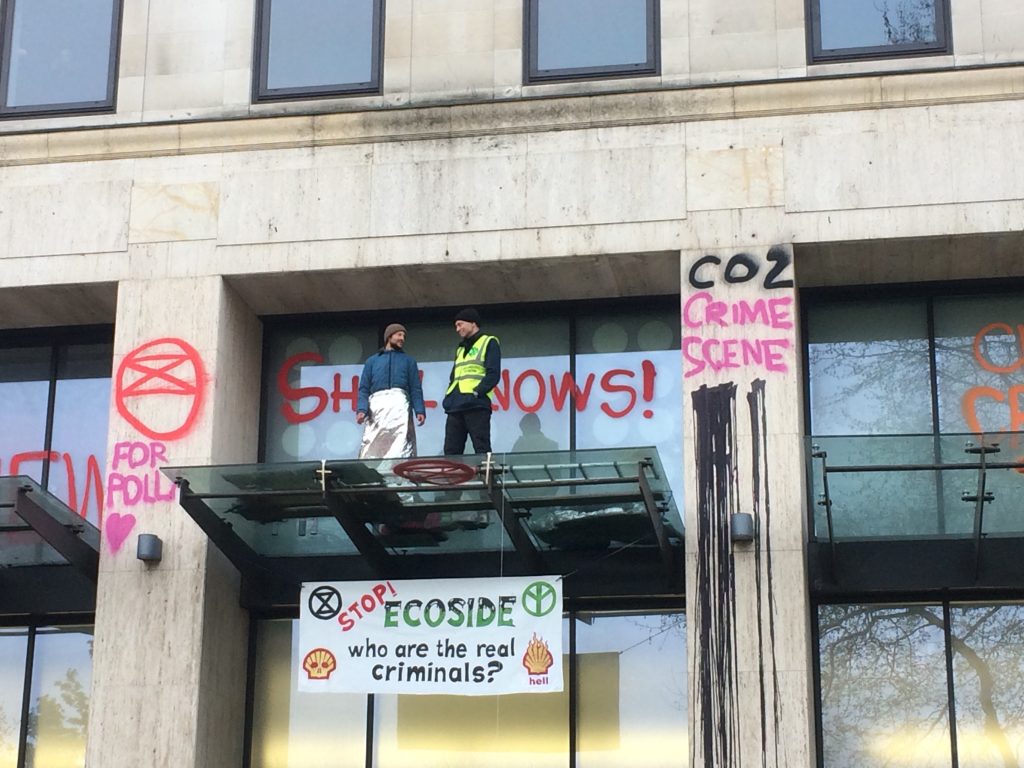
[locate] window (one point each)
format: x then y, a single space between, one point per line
606 377
45 680
916 380
53 426
876 29
58 55
627 670
582 39
318 48
888 675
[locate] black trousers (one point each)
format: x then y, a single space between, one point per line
476 423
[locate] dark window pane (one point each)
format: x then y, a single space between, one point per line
873 23
317 43
59 701
883 686
85 361
988 656
59 52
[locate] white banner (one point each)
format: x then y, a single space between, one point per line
473 637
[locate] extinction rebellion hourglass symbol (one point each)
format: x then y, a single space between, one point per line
161 376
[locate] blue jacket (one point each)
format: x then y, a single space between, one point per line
459 401
386 369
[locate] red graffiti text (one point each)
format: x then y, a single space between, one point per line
618 391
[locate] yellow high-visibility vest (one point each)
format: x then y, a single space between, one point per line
469 367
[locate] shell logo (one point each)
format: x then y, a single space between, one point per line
538 658
319 663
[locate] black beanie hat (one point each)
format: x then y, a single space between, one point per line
470 315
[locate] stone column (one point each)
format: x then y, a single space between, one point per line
170 651
746 602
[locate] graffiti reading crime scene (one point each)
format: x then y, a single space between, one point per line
749 333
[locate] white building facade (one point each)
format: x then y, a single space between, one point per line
750 226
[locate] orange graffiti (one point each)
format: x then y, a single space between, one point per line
987 364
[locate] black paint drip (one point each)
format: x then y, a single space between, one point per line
716 682
763 555
716 719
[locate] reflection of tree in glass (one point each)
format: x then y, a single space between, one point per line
875 386
883 682
8 736
913 21
863 387
881 677
988 648
59 722
666 635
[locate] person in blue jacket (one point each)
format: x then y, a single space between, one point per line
389 394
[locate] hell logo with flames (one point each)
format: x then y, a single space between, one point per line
538 658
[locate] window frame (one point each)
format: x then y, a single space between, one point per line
58 341
569 312
948 603
261 93
816 54
32 626
572 612
107 104
532 74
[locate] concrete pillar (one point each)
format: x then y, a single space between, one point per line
170 652
747 605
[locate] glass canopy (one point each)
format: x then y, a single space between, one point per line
49 556
605 516
38 529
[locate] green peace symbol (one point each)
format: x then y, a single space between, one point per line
539 598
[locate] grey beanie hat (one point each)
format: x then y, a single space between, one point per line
391 330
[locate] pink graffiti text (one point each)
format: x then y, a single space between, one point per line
702 310
135 477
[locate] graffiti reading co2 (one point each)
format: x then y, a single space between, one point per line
722 332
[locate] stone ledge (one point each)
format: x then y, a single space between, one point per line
735 101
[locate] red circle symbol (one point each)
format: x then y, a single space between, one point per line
169 374
434 471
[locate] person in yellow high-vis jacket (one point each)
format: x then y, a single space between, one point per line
467 402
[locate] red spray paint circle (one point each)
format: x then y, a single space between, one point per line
166 369
434 471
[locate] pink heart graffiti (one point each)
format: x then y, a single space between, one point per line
117 527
